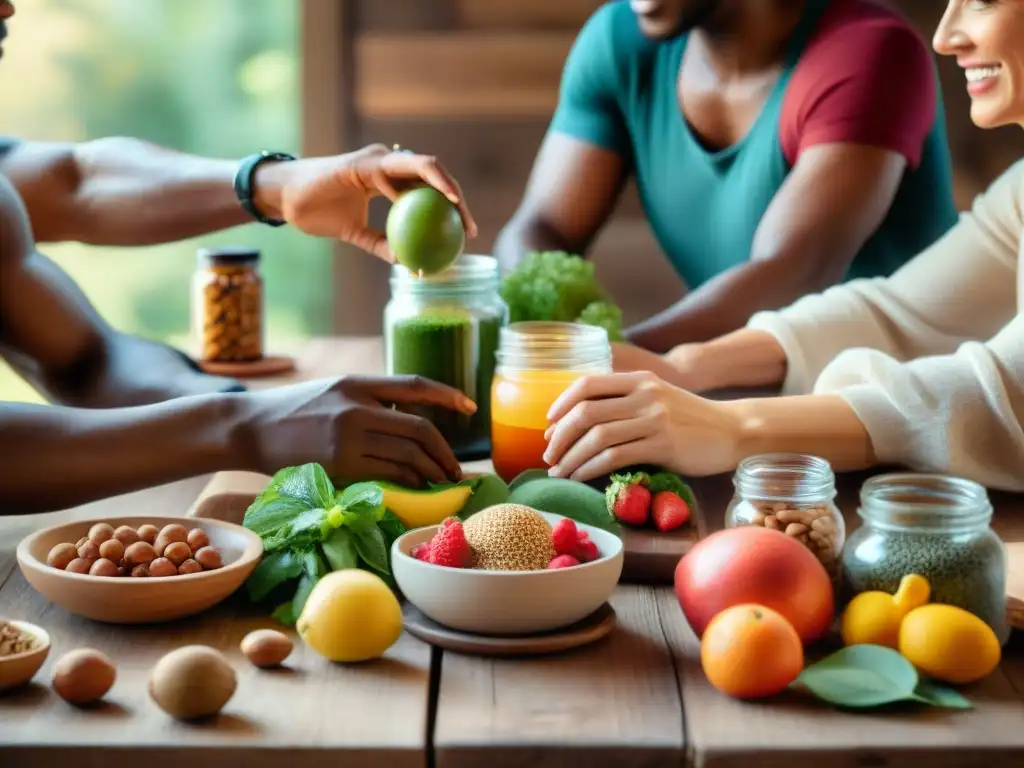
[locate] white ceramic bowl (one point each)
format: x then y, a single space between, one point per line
507 602
123 600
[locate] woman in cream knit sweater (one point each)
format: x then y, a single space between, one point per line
923 369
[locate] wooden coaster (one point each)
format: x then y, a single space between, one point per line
272 365
584 632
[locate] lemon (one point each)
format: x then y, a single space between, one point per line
949 643
350 615
874 617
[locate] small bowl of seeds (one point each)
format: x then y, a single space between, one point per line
23 649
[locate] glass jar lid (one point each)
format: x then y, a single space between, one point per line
920 502
538 344
471 272
228 256
785 477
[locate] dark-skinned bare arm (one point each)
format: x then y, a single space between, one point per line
121 191
572 190
828 207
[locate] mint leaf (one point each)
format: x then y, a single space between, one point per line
284 614
391 527
291 491
312 570
273 571
308 482
340 550
309 527
371 548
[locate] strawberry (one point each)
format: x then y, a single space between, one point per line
565 536
563 561
628 498
449 546
421 552
669 511
586 550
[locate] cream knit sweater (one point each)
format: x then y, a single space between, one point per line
931 359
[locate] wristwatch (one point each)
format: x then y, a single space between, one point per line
243 183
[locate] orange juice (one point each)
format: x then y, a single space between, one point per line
536 363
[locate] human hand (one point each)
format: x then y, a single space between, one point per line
349 426
604 423
678 371
330 196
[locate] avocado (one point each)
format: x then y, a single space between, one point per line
425 231
567 498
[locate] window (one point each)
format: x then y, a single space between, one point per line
214 78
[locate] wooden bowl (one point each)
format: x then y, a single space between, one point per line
18 669
507 602
126 600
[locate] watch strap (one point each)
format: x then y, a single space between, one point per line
244 187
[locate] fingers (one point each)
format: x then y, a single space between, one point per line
420 431
372 241
401 450
601 438
594 387
405 166
583 418
647 451
417 390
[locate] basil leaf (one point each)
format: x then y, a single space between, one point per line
371 548
312 570
284 614
309 527
391 527
291 491
937 695
308 482
490 490
271 513
360 495
340 550
275 569
861 676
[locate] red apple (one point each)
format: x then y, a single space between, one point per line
751 564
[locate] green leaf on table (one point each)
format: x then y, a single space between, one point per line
490 490
371 548
340 550
391 526
861 676
274 570
929 692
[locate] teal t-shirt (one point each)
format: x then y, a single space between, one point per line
619 92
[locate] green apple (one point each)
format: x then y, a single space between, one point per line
425 231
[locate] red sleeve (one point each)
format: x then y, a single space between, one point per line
870 82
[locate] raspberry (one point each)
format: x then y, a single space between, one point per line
449 546
586 550
422 552
565 536
563 561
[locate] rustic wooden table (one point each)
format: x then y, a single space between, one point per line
636 698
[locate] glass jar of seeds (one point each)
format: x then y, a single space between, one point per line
794 494
227 305
934 526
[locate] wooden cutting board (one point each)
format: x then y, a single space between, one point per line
650 556
1015 585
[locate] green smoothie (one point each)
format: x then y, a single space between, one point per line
458 349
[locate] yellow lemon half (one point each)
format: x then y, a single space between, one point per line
875 617
949 643
351 615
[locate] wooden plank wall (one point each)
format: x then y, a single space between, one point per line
476 81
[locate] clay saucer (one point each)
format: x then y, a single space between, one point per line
271 365
589 630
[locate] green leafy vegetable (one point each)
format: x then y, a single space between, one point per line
273 571
372 549
861 676
340 550
391 527
555 285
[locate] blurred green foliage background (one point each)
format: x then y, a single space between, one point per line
212 77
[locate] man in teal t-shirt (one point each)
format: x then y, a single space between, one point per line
775 152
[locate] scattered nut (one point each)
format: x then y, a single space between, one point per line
266 647
193 681
101 532
83 676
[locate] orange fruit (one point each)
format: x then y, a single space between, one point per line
749 651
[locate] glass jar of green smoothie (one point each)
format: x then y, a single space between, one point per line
445 327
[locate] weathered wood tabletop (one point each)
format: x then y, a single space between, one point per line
636 698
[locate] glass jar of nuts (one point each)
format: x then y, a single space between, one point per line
794 494
227 305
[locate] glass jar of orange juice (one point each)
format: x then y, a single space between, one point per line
537 361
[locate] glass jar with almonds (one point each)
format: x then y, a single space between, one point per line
227 305
794 494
